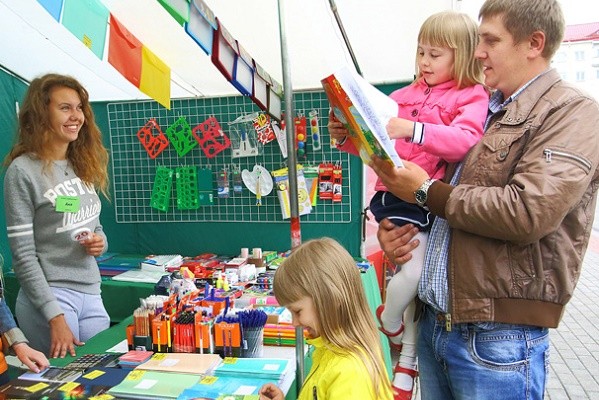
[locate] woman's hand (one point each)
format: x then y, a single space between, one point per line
396 241
270 392
94 245
33 359
336 129
61 338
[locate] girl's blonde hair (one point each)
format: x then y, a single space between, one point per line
87 154
324 271
459 32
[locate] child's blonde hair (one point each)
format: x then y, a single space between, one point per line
324 271
459 32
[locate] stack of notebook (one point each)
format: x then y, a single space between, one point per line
261 368
187 363
133 358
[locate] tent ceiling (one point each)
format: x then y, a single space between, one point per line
382 34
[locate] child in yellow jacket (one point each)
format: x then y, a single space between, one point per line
321 286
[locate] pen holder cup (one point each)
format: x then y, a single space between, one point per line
253 345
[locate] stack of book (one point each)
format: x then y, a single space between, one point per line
134 358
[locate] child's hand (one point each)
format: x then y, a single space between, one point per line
336 129
399 128
271 392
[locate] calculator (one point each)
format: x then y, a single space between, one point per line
88 361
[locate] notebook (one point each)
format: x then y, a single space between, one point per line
148 385
268 368
52 374
190 363
103 376
214 386
137 275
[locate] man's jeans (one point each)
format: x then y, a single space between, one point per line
481 361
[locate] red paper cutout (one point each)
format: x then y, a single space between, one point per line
153 142
210 137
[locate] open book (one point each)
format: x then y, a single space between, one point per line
365 111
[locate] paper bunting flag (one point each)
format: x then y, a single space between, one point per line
54 7
124 52
178 9
201 25
155 78
88 21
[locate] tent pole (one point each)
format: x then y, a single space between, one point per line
292 168
345 38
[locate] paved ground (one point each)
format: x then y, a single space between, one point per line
574 368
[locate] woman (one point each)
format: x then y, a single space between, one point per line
52 215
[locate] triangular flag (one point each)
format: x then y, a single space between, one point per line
54 7
155 78
88 21
124 52
178 9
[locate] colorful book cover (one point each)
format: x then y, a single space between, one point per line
365 112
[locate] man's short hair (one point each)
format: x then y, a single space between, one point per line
523 17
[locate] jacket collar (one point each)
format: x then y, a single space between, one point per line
519 109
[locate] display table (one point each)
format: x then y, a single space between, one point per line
115 334
122 298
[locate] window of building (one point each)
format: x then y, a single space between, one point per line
580 76
579 55
561 56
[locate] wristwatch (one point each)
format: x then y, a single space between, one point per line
421 194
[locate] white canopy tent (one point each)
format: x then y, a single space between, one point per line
382 34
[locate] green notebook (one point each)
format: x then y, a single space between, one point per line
141 384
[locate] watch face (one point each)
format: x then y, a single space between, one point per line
420 196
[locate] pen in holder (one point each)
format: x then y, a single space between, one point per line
252 326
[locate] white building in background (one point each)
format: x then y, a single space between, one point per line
577 59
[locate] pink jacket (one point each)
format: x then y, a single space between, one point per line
453 122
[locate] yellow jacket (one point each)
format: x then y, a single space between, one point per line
337 376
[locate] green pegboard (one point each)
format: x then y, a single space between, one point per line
133 170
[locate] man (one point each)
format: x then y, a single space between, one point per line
512 226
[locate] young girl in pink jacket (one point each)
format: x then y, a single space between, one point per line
441 116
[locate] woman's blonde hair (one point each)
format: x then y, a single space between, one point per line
459 32
324 271
87 154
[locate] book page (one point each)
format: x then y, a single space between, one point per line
373 106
